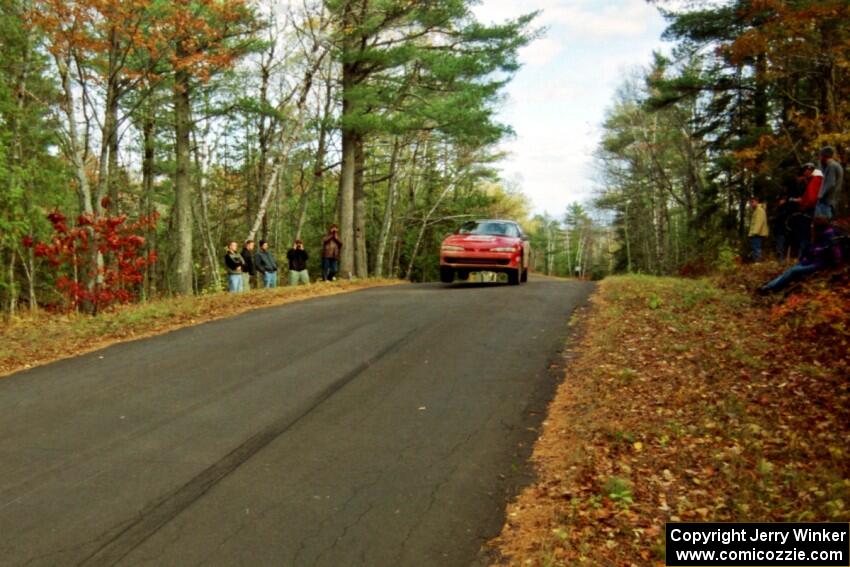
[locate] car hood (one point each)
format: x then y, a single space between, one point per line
480 241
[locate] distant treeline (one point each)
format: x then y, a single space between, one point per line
752 91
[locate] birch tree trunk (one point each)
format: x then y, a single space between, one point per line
421 147
422 228
13 286
203 217
361 266
286 141
301 218
72 139
108 135
580 254
29 270
207 242
76 151
318 163
264 134
393 261
386 225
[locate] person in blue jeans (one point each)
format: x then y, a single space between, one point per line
266 265
825 253
331 248
235 264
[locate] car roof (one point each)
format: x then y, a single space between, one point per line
495 220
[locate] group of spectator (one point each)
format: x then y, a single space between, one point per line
803 226
243 266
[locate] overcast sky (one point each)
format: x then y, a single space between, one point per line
557 101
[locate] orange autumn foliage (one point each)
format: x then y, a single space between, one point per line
142 38
817 314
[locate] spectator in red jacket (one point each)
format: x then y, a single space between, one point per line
807 203
815 179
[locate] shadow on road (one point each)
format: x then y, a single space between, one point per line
473 285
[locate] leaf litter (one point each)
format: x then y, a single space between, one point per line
685 400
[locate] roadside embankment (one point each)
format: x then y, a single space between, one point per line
40 338
689 400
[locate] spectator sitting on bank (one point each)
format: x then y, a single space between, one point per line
248 270
266 265
235 263
331 248
825 253
758 228
297 257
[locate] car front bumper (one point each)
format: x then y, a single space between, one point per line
474 260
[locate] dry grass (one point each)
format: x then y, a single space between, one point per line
37 339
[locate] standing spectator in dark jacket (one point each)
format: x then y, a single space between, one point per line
249 270
825 253
298 257
833 183
266 265
787 214
235 264
782 236
331 248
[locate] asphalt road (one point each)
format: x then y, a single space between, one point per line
385 427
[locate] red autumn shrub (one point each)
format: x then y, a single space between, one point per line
73 252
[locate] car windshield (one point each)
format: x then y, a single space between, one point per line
490 228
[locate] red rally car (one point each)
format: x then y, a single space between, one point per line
486 246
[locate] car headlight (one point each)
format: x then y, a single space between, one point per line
503 249
451 248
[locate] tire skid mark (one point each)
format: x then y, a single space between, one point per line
30 484
161 512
